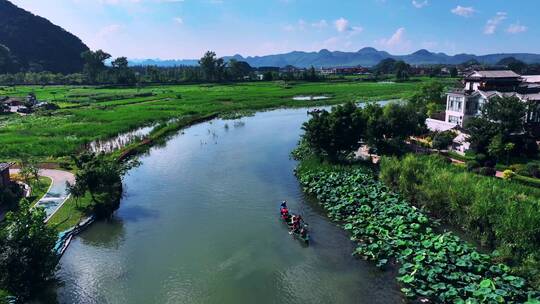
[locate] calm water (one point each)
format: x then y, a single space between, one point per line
199 224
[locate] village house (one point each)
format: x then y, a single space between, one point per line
479 87
357 70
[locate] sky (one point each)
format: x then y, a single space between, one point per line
185 29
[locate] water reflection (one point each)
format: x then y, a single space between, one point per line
105 234
200 224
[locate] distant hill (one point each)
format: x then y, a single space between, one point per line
365 57
34 42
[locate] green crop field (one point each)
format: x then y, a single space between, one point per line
90 113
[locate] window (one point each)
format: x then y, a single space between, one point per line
455 103
472 107
453 119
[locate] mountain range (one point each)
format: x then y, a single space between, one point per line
30 42
367 56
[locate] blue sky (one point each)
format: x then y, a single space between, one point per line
175 29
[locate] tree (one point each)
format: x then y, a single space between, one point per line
387 127
121 72
442 140
27 256
508 114
239 69
213 68
310 74
29 169
453 72
401 70
385 66
430 93
481 132
94 64
268 76
101 177
334 133
513 64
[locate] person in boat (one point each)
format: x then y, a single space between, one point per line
296 223
284 213
303 232
284 204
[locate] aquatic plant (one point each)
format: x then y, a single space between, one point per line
436 266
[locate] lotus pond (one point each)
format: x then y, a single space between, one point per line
433 265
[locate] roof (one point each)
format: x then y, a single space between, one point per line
4 166
522 97
532 97
494 74
531 78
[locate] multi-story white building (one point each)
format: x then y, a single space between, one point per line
479 88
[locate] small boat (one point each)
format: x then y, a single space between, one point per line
296 233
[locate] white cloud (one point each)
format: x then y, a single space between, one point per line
463 11
320 24
178 20
342 25
420 4
516 28
396 42
299 26
493 23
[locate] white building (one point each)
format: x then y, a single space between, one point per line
479 88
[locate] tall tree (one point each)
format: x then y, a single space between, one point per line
27 256
453 72
94 64
481 132
213 68
334 133
507 113
101 177
239 69
402 70
121 71
385 66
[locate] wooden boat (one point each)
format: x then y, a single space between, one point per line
296 233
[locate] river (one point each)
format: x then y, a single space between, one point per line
199 224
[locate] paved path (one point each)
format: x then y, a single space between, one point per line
57 194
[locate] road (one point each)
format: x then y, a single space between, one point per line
57 194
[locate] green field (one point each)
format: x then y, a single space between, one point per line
90 113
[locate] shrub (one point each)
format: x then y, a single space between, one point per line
481 158
472 165
487 171
432 266
533 170
442 140
507 174
500 214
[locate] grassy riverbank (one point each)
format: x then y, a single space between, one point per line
388 229
39 188
90 113
73 211
500 214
